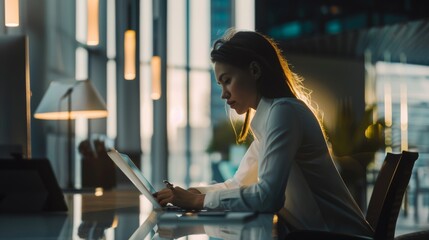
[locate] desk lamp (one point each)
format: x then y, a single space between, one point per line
67 100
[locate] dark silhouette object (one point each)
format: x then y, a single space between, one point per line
97 168
385 203
29 186
94 224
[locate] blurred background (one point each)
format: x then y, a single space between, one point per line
366 62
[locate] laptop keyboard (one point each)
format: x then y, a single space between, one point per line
174 209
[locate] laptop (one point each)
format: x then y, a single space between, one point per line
134 174
146 188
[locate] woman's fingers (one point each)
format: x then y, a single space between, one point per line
164 196
178 197
164 202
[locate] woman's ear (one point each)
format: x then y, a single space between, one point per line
255 69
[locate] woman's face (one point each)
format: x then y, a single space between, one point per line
238 86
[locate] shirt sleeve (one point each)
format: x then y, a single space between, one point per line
246 174
279 146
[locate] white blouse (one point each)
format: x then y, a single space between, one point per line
288 167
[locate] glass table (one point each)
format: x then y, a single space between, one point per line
125 214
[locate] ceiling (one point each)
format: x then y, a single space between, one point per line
385 27
410 39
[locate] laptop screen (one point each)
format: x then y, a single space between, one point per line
135 175
138 173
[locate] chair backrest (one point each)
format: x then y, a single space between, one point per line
385 227
381 186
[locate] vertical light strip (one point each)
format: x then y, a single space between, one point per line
81 73
404 102
11 15
176 42
93 32
130 55
146 105
111 30
387 104
109 233
81 16
77 213
81 61
388 113
81 124
28 96
156 77
388 116
111 71
199 34
176 85
200 63
81 134
111 100
245 14
146 31
176 88
404 117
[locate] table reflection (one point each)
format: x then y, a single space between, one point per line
121 215
263 226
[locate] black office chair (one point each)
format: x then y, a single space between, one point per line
385 201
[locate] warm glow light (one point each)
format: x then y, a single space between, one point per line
115 222
388 149
130 55
11 15
86 102
93 33
275 219
387 104
156 77
98 191
64 115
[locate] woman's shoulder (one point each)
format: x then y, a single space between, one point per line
290 107
287 102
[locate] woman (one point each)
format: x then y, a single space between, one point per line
287 167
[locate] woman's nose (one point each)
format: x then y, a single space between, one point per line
224 94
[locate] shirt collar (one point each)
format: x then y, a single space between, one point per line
260 118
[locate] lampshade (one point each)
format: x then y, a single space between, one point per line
85 101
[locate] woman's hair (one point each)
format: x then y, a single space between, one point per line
240 48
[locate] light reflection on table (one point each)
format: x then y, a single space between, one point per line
126 214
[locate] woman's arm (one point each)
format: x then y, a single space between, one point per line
281 140
246 174
194 197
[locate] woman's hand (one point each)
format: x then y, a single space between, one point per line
194 190
181 198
